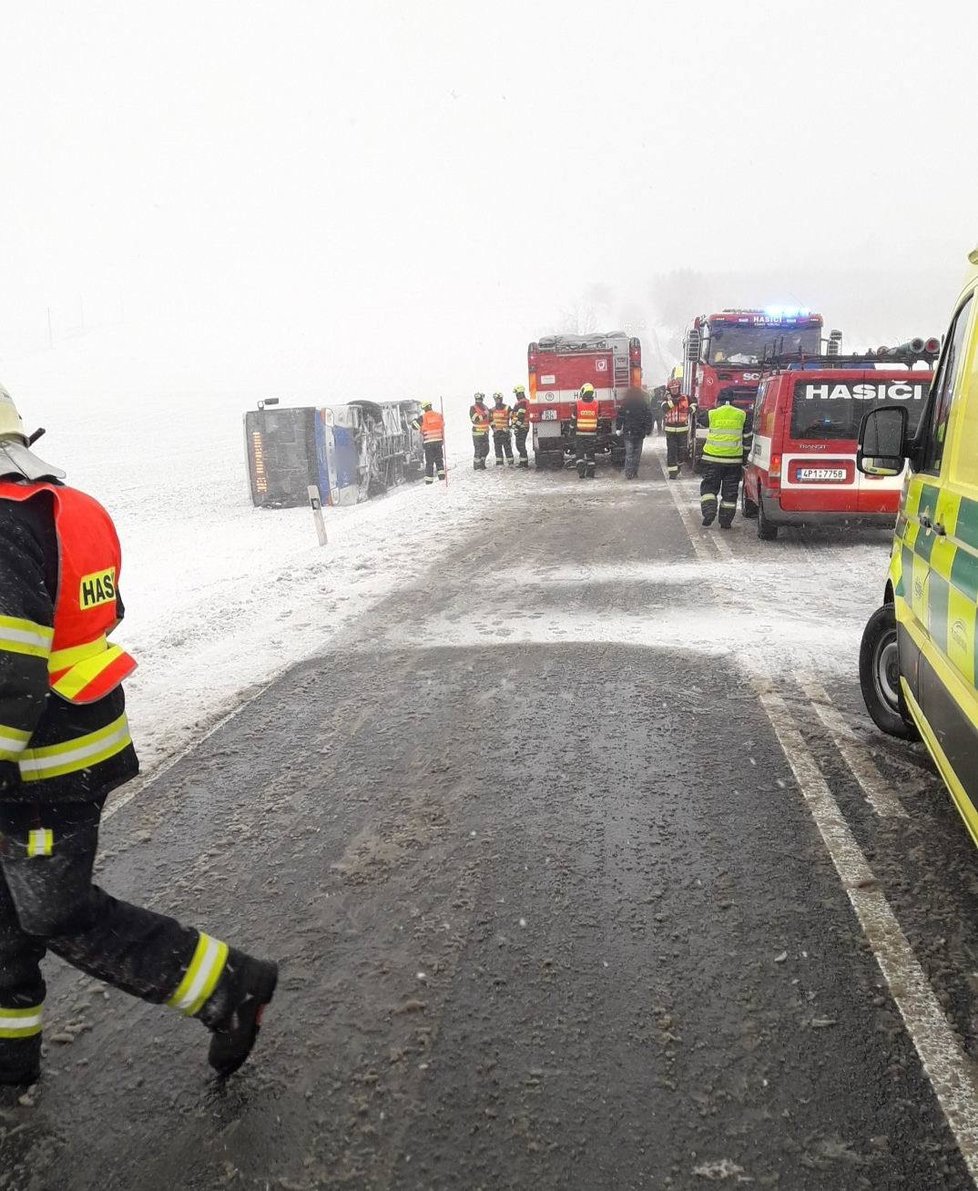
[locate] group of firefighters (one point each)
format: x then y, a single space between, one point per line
724 451
503 422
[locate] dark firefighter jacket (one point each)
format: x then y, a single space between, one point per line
635 416
73 750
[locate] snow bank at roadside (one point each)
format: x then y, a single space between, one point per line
220 596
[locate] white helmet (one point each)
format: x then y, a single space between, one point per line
11 423
16 457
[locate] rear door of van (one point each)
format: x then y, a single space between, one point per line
818 469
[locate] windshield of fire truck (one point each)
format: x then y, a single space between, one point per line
829 408
736 344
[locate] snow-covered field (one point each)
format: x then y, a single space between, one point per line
220 597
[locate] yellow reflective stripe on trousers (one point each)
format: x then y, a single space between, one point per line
61 659
40 842
25 636
201 977
20 1023
13 741
55 760
83 672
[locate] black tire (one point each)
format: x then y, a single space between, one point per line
879 676
747 506
765 530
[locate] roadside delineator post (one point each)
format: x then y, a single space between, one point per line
316 504
444 440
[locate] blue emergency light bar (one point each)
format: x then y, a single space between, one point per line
787 311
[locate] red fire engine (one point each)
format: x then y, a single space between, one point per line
724 353
802 465
558 366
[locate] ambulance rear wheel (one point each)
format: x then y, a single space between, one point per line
765 530
879 676
747 506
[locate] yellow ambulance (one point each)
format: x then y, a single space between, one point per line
917 662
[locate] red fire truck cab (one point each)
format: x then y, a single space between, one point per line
724 354
558 366
802 465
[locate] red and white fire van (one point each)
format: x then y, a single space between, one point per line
802 465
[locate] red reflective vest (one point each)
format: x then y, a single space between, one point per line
432 426
521 413
480 419
500 417
677 413
587 417
83 666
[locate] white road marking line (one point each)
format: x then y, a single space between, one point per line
875 787
944 1063
690 518
946 1066
693 528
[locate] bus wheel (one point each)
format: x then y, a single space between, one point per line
765 530
879 676
747 506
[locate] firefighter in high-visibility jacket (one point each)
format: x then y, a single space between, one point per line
676 411
432 427
724 453
585 430
519 416
479 417
64 745
502 438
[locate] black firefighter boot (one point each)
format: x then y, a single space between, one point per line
20 1060
234 1011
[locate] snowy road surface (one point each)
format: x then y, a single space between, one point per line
584 867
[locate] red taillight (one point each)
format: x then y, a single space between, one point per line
774 471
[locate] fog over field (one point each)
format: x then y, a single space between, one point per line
370 198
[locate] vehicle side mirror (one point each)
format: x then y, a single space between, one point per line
883 443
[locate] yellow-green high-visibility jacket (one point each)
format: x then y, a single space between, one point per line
725 437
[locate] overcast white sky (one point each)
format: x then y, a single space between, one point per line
338 196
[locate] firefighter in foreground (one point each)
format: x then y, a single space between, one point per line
480 419
519 416
432 427
676 411
64 745
724 452
585 430
502 439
